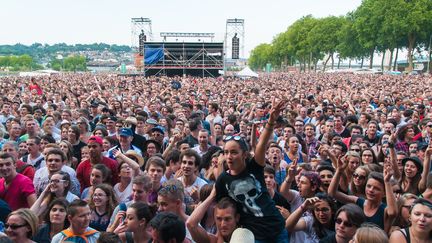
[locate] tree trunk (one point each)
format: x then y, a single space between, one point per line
395 60
411 42
349 63
325 63
339 61
371 58
390 60
332 58
382 62
361 66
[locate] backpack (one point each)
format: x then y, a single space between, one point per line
37 163
70 237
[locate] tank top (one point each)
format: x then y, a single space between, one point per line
405 232
288 160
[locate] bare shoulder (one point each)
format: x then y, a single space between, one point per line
397 237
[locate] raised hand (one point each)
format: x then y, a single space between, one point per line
292 170
276 109
388 172
342 163
308 203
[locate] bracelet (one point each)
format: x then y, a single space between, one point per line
270 124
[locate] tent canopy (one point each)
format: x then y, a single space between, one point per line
247 72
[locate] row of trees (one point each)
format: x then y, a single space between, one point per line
38 49
18 63
70 63
375 26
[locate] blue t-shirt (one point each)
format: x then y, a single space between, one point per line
378 217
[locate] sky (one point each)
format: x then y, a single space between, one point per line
109 21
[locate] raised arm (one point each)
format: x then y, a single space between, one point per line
285 189
426 168
295 222
333 188
198 233
268 131
134 165
39 206
393 157
391 210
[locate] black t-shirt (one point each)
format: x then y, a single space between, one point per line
257 210
77 150
281 201
329 239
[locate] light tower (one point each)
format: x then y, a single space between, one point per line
234 39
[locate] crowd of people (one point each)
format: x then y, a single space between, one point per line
287 157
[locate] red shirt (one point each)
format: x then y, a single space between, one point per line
16 194
28 171
85 167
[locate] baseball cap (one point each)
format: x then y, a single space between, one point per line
127 132
152 122
96 139
158 129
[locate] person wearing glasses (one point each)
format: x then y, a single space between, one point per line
102 204
315 217
420 229
348 219
21 226
404 205
357 185
377 187
244 183
58 187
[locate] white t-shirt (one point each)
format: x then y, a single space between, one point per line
124 195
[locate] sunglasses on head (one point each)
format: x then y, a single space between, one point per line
345 223
239 139
236 138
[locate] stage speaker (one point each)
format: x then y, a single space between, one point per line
235 47
141 39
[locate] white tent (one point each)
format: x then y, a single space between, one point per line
247 72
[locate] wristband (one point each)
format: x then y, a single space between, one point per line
270 124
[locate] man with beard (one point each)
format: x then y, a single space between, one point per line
96 157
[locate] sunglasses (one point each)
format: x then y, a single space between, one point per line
14 226
345 223
360 177
430 125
